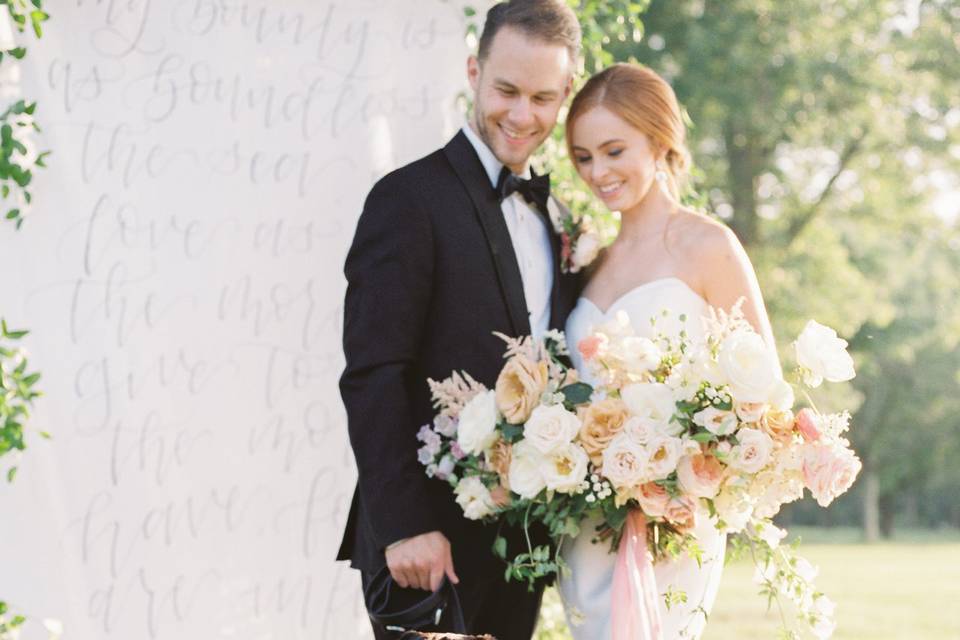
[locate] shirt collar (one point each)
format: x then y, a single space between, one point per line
490 163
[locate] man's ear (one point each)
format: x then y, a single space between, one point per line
473 72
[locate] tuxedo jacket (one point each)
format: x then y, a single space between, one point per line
431 275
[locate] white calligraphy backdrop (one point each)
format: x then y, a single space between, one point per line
181 275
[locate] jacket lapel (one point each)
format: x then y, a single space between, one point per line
558 312
470 170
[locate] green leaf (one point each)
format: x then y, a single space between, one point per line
13 213
511 432
11 474
577 393
500 547
18 52
703 436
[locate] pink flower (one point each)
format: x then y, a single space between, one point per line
807 424
653 499
829 470
589 347
699 475
682 512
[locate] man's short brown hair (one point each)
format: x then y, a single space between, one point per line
551 21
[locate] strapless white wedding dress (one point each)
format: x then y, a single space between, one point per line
586 591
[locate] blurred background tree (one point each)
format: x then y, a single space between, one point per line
826 133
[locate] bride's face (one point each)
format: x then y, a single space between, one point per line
616 160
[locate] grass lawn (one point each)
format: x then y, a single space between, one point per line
902 590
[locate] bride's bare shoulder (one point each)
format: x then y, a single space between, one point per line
697 236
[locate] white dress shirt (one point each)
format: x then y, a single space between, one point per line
530 238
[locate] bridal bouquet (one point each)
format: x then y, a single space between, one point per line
676 430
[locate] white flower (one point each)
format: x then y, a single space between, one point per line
585 249
753 451
445 467
625 462
664 452
823 355
654 402
734 508
716 421
526 470
477 428
565 468
770 533
750 366
823 625
782 397
639 354
474 498
750 411
550 427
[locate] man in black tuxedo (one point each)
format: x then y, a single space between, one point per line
448 250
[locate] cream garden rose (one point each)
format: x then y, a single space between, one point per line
476 430
753 451
625 462
565 468
551 427
823 355
600 422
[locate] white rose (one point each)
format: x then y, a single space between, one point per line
625 462
734 508
664 452
750 411
640 430
526 470
753 451
782 397
716 421
586 248
654 402
823 355
550 427
565 468
477 429
750 366
474 498
639 354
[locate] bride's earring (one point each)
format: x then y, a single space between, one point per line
661 175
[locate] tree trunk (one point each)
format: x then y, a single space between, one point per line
744 163
887 512
871 507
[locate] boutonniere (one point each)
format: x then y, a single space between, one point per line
580 239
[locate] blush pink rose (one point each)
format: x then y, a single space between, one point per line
828 471
682 513
653 499
807 425
589 347
700 475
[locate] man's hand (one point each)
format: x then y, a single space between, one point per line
420 562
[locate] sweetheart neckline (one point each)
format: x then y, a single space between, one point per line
639 287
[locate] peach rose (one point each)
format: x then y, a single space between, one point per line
519 387
682 513
653 499
499 460
828 471
601 421
808 425
778 424
700 475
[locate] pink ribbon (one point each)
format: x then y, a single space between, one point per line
634 614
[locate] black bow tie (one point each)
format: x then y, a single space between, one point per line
535 191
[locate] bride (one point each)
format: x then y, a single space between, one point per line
625 135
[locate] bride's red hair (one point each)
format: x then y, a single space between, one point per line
646 102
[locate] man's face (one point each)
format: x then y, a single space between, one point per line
518 91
